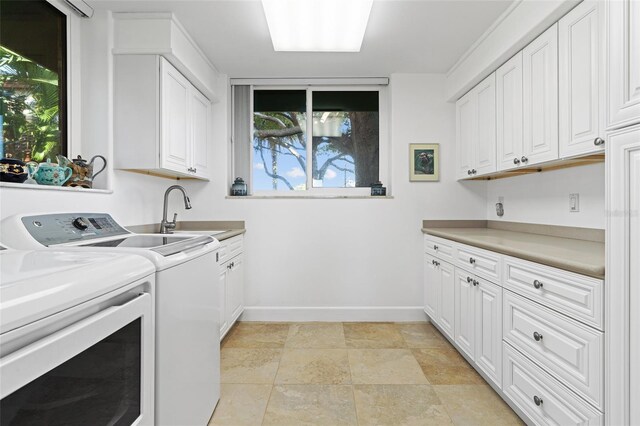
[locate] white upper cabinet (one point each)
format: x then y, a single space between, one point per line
622 77
540 98
580 58
476 130
509 115
465 134
161 121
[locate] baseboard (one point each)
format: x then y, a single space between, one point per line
331 314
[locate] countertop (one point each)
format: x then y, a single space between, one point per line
209 227
576 255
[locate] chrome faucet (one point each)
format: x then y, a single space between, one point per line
167 227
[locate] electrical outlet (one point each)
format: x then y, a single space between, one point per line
574 203
500 207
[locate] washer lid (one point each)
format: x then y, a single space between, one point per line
36 284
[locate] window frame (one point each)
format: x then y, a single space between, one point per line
311 192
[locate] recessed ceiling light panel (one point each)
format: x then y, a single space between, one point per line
317 25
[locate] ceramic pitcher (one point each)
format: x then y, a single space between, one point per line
52 174
83 173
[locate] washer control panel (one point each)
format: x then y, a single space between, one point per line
62 228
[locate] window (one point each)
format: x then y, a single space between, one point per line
323 140
33 64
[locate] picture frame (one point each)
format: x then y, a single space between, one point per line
424 162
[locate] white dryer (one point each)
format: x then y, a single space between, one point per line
187 301
76 338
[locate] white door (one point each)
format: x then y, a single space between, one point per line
540 99
235 289
465 311
465 134
579 62
485 150
200 133
174 112
509 132
446 309
622 388
222 293
623 63
488 323
431 286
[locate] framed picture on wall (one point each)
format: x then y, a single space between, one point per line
424 162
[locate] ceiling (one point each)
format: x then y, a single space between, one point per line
410 36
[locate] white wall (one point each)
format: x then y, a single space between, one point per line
544 197
349 252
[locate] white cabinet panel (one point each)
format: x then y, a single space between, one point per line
440 248
465 312
540 98
623 63
485 149
200 134
446 309
174 151
579 65
509 115
235 288
481 262
488 323
569 350
431 287
466 116
577 295
541 397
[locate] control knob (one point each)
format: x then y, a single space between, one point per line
80 223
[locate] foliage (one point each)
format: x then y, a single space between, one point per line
31 108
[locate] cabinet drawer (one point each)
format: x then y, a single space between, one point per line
481 262
570 351
440 248
230 248
576 295
523 381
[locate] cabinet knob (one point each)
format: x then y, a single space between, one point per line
437 263
476 282
538 401
474 171
516 161
469 279
524 159
598 141
537 336
469 172
537 284
472 260
435 247
433 262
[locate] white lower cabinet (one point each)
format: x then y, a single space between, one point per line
439 293
231 284
479 322
541 397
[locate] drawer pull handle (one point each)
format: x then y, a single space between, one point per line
537 400
469 279
537 284
598 142
437 263
472 260
537 336
516 161
435 247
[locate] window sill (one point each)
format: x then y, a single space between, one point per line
322 197
54 188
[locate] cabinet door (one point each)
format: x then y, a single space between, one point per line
446 309
174 112
200 133
509 131
579 62
488 323
222 292
465 134
540 98
235 289
431 288
485 149
465 311
623 63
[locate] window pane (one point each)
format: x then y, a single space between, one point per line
32 80
346 139
279 140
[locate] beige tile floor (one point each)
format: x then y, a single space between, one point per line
350 374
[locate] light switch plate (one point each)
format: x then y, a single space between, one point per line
574 203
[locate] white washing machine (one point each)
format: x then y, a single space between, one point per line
76 338
187 301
